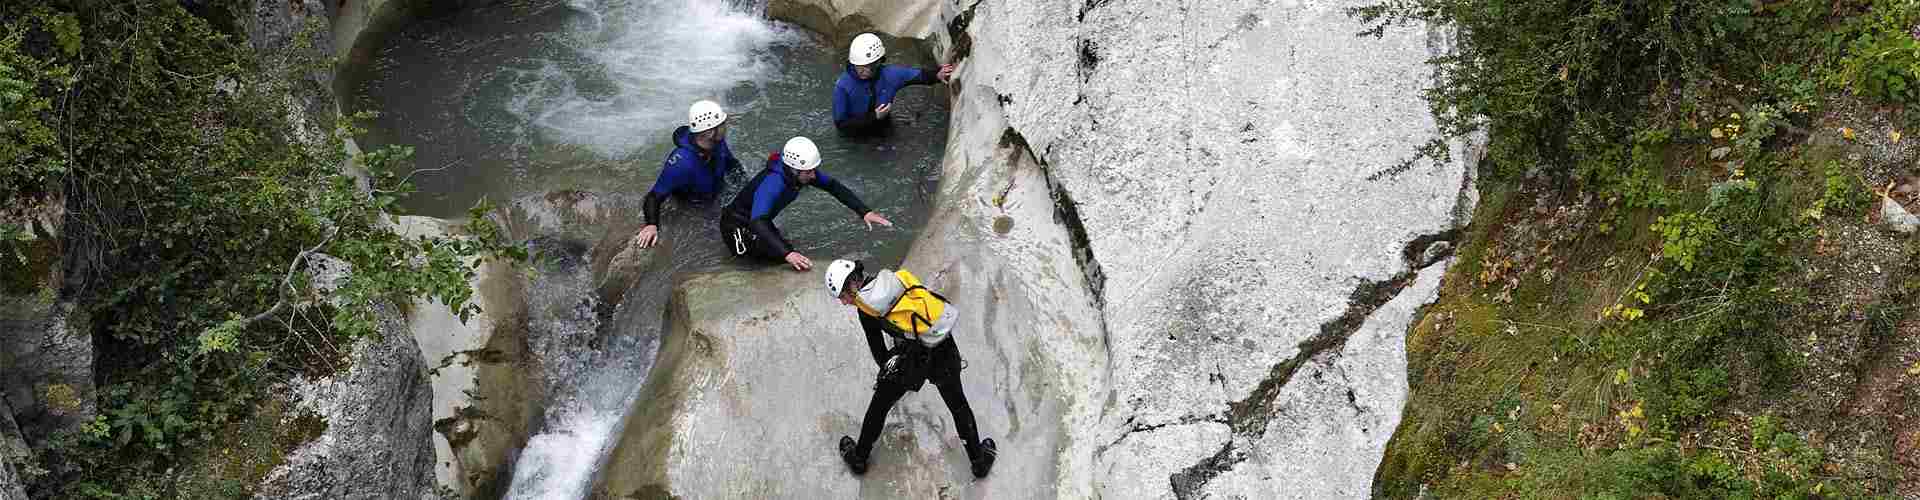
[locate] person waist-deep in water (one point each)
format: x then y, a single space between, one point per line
921 325
695 171
863 96
746 225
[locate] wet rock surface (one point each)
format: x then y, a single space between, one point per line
486 395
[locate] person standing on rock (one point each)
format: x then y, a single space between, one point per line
746 225
863 97
921 324
695 171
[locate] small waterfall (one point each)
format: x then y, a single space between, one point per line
594 362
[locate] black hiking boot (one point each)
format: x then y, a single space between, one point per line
982 457
855 460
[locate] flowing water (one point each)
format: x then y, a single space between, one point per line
522 98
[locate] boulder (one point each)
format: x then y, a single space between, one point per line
1896 217
377 443
13 455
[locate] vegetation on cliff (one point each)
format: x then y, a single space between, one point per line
1673 286
194 199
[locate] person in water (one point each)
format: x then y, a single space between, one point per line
863 96
746 225
921 325
695 171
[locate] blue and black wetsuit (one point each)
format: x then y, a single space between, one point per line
746 225
854 99
692 175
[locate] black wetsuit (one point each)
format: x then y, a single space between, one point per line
918 364
746 225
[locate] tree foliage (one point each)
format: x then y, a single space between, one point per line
195 197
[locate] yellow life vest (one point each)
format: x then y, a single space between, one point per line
914 312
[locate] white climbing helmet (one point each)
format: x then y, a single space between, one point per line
837 273
801 154
704 115
866 49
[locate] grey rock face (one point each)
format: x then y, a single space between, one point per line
379 416
46 369
1225 160
13 452
46 356
286 32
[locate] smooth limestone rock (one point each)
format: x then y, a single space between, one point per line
377 442
763 371
486 391
840 20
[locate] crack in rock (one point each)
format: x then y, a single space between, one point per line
1189 481
1133 427
957 32
1249 417
1067 213
1089 6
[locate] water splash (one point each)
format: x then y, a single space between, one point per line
649 59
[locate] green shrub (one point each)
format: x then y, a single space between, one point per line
1883 58
192 200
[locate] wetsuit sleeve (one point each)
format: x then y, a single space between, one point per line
761 220
846 196
672 178
840 111
847 119
924 76
875 343
651 209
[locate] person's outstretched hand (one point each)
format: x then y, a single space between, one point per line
799 262
647 236
883 111
946 72
875 218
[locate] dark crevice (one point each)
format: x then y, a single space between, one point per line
1089 59
1416 253
1089 6
957 32
1249 417
1189 481
1134 427
1067 213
